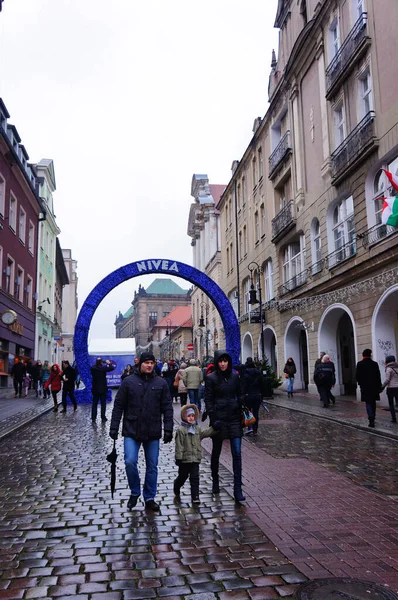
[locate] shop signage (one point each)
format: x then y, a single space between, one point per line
16 327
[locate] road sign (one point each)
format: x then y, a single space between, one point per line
190 347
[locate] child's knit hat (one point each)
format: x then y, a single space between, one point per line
189 409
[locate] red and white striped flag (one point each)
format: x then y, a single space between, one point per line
393 179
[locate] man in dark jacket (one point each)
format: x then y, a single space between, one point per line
369 380
143 400
100 386
325 378
69 375
18 372
252 391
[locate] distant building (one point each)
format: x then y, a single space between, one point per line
149 306
172 335
69 306
61 280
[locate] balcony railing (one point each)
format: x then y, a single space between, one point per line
283 220
377 233
293 283
355 147
316 267
347 54
341 254
282 149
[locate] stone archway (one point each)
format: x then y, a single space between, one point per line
247 347
296 347
385 326
337 337
151 267
270 348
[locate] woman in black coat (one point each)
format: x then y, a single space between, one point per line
223 404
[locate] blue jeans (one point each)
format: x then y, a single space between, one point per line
151 451
194 397
290 382
236 444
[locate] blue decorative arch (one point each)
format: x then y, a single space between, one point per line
151 267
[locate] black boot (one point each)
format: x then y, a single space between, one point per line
216 482
237 468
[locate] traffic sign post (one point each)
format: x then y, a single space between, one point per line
190 347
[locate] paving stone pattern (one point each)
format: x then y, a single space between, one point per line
61 535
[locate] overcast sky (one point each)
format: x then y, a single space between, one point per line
130 98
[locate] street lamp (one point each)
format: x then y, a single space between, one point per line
203 322
253 266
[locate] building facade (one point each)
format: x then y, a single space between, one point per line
149 306
205 233
61 280
45 349
301 218
21 211
69 306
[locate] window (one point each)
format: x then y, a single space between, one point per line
334 38
29 291
343 231
231 254
19 283
316 249
365 94
9 273
31 238
339 124
228 261
22 224
256 226
358 9
13 213
254 171
2 196
382 187
240 238
269 280
303 11
294 264
244 195
226 215
239 197
230 211
260 163
246 295
233 298
42 236
263 223
245 240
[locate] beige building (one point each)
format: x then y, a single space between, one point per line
69 306
205 233
303 208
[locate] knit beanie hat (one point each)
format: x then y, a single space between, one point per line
390 359
147 356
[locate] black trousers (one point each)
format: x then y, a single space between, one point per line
18 386
65 396
186 470
392 393
102 398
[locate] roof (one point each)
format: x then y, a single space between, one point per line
128 313
216 191
176 317
111 346
164 287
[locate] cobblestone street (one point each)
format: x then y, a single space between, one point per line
308 514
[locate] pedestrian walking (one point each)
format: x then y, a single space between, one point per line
182 390
69 375
251 384
26 384
100 386
192 378
369 380
319 360
45 375
325 379
223 398
54 382
36 377
391 383
290 371
188 451
170 376
18 373
128 369
143 400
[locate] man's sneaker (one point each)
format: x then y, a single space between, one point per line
195 501
132 501
152 505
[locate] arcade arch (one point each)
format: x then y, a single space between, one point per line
296 346
247 347
385 326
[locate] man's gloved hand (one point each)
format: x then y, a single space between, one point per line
167 437
204 416
113 435
217 425
178 462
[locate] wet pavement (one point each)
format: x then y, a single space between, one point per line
320 503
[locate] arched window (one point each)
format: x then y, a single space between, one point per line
316 250
343 238
294 272
269 280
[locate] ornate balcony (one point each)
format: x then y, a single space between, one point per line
275 160
283 221
356 146
293 283
352 48
377 233
341 254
